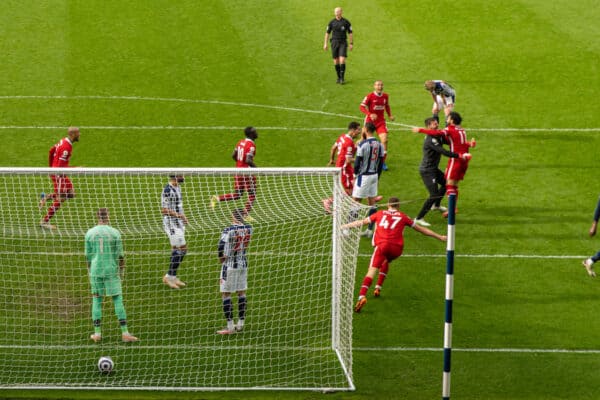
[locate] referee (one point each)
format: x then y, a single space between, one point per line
339 28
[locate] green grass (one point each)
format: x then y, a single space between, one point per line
515 64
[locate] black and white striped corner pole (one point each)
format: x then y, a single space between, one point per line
449 296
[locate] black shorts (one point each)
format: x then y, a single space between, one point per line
339 49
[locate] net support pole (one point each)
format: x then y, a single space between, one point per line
449 296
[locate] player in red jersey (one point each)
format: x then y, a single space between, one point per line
373 106
457 138
58 157
388 241
243 155
345 148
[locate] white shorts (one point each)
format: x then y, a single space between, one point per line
440 102
365 186
176 236
233 280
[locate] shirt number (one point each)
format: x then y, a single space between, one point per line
385 224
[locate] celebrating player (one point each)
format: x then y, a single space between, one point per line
105 262
345 148
432 176
58 157
234 269
457 138
339 27
443 97
243 155
174 222
367 168
388 241
373 106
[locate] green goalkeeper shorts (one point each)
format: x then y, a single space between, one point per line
106 285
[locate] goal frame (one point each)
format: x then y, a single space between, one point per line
336 268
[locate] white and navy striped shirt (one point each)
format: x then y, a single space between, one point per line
369 156
172 200
233 244
443 89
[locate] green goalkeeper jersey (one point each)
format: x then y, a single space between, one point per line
103 248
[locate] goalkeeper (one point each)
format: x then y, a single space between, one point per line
105 262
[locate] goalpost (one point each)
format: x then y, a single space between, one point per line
298 330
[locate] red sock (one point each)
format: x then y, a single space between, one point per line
52 210
383 273
249 203
365 286
451 189
229 196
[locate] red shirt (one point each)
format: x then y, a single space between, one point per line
457 137
389 226
60 154
375 104
245 150
346 148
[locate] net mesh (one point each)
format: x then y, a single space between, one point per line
298 331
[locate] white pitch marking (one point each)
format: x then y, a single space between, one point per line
362 255
292 348
240 104
479 350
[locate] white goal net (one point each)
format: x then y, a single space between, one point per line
298 323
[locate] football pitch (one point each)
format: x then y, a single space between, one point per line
173 84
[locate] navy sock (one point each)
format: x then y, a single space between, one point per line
228 308
242 307
176 259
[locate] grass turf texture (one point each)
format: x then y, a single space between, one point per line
515 64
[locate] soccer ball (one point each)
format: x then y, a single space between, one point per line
105 364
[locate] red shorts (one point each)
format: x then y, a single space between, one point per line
380 124
347 178
383 252
245 183
456 169
62 184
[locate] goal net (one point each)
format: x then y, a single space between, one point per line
298 325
